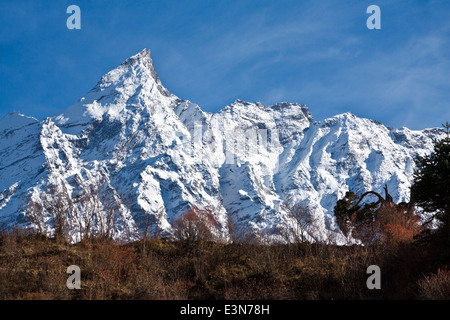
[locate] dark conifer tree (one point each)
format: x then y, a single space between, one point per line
431 187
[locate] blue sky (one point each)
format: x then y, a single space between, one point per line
213 52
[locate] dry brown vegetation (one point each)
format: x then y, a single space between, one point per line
33 266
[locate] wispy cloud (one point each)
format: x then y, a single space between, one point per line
407 83
212 52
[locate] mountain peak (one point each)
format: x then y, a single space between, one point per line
136 71
142 57
134 82
142 64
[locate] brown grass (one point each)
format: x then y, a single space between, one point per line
34 267
436 286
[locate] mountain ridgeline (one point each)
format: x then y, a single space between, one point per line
130 158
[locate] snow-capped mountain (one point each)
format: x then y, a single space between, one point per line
130 155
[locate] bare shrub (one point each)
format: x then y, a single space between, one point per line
398 224
301 225
195 225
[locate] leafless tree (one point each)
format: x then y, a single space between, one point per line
195 225
301 225
34 213
54 203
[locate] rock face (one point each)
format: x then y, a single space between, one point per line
130 155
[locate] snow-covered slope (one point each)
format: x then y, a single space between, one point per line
130 156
